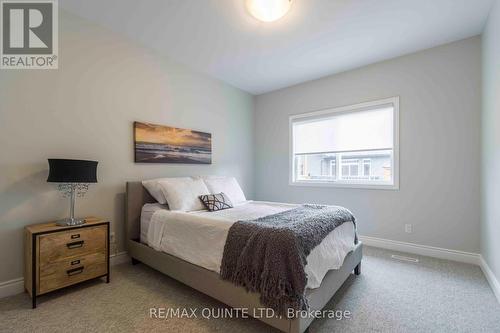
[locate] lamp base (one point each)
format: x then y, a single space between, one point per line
70 222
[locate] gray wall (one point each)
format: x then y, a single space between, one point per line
440 100
490 194
86 110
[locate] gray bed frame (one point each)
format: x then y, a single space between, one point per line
209 282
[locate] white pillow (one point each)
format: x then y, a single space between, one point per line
154 189
183 193
228 185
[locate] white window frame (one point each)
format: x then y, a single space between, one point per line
333 167
339 182
349 163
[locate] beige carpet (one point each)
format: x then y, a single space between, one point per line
389 296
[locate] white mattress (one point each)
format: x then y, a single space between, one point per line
146 215
199 237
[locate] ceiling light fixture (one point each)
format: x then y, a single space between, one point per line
268 10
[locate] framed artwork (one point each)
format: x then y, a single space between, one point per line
166 144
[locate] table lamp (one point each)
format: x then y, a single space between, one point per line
73 177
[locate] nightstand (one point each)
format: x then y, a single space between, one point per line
61 256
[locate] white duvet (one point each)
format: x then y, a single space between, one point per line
199 237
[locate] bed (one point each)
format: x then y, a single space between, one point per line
205 278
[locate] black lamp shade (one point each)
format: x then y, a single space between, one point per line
72 171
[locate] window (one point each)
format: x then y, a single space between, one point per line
367 167
352 146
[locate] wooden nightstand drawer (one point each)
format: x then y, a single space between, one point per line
70 243
70 271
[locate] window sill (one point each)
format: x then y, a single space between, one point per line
393 187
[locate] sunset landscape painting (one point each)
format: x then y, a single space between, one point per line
165 144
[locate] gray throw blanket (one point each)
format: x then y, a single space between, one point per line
269 254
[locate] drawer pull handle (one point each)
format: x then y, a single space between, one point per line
75 262
74 271
75 245
75 236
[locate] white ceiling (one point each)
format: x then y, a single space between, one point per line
316 38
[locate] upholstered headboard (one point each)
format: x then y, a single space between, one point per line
135 198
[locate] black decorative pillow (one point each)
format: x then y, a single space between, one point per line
215 202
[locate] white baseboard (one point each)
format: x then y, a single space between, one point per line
16 286
492 280
12 287
118 258
423 250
